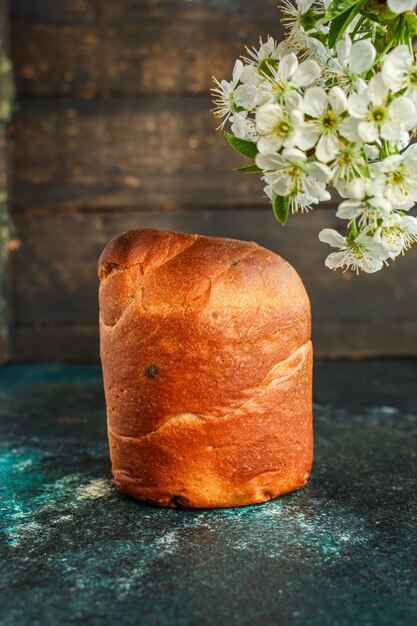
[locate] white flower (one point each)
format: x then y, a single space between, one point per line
397 177
246 97
290 174
367 211
259 60
401 6
267 50
242 126
360 188
301 202
347 163
378 118
314 49
397 68
371 152
325 120
352 60
284 82
400 72
277 127
402 141
224 94
362 253
396 234
323 115
285 47
292 14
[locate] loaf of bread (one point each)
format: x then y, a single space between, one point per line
207 364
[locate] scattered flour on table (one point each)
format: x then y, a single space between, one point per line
17 534
97 488
168 542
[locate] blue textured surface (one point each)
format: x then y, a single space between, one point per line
341 551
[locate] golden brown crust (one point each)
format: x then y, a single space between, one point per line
207 360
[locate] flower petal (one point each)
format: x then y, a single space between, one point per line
371 266
396 66
267 116
313 188
297 117
287 67
343 48
304 5
268 191
268 145
360 85
335 260
356 188
333 238
306 74
269 162
403 141
349 129
382 204
401 6
315 101
267 49
362 56
357 105
391 130
306 138
348 209
318 170
377 89
294 155
293 100
410 223
389 163
411 152
250 75
338 100
317 49
327 148
282 186
237 72
240 126
402 111
245 95
368 131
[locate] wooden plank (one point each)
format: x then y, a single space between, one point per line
61 251
56 343
148 55
346 340
128 11
55 11
112 153
4 209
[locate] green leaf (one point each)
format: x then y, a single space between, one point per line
338 7
411 23
386 16
249 169
310 18
281 207
339 25
243 146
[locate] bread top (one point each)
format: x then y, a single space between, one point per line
178 271
174 272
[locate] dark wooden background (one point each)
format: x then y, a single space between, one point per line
113 131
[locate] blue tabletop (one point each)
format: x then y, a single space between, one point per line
341 551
